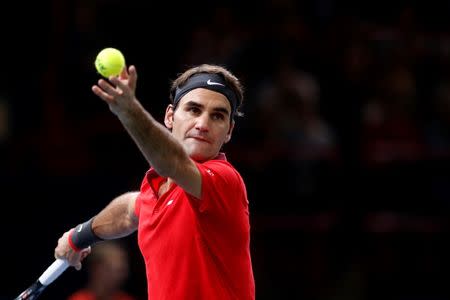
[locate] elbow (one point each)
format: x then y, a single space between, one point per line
162 171
170 168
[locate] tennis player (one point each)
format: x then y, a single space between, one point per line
191 212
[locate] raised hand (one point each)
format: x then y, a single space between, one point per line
119 91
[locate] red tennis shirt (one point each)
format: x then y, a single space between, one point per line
197 248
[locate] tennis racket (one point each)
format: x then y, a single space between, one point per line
52 272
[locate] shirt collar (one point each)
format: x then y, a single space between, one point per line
220 156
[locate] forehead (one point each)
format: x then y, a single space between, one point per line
207 98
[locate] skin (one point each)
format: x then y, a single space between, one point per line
195 130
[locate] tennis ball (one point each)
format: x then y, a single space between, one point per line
109 61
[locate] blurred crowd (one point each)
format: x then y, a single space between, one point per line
346 130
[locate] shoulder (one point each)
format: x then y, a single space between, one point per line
221 177
219 168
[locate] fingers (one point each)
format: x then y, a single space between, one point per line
64 251
125 83
133 77
117 90
106 91
124 73
63 246
85 252
82 255
112 90
100 93
127 86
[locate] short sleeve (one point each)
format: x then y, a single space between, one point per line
222 187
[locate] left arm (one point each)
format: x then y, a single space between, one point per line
165 154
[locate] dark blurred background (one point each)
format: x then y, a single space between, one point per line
344 146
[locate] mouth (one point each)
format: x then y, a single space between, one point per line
200 139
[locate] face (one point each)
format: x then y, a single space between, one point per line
201 123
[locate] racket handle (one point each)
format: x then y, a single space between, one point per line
53 271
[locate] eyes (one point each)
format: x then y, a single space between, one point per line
196 111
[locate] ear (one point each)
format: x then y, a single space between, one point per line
168 119
230 131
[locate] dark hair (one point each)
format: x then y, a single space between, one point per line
232 82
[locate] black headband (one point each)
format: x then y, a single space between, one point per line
210 81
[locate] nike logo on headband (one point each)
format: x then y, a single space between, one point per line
209 82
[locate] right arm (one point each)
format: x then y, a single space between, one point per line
116 220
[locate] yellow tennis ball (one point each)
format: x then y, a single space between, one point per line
109 61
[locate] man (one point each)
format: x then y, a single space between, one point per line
191 212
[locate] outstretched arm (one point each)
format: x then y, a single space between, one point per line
163 152
116 220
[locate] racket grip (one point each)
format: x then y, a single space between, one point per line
53 271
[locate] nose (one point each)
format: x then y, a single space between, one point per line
202 123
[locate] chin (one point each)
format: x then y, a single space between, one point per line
200 153
199 157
